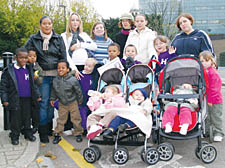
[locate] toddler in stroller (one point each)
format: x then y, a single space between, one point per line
184 109
138 97
100 104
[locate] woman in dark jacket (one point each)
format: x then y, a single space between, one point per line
126 23
50 48
190 41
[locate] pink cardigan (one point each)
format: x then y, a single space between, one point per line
214 93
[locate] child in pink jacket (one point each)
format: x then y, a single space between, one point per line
100 104
214 97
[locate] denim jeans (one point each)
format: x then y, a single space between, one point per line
46 110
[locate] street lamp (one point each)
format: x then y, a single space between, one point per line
64 8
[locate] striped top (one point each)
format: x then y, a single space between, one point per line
102 48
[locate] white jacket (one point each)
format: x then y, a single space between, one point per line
144 44
79 56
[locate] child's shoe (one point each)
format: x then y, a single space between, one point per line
79 138
168 128
56 139
14 140
184 128
122 127
31 138
108 134
94 131
217 138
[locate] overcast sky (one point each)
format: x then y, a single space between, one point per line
113 8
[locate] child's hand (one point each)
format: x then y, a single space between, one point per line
52 103
6 104
210 104
172 49
39 99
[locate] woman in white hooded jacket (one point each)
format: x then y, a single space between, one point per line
77 43
142 37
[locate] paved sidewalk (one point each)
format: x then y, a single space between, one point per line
18 156
24 154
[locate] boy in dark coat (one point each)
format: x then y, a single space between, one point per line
17 93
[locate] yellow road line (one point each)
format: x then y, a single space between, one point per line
75 155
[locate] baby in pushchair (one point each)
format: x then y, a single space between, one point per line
137 98
100 104
184 108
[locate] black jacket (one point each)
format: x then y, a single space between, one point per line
56 50
9 88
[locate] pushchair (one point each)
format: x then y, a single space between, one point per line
179 70
138 76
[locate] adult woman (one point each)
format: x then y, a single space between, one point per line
142 38
77 43
190 41
99 36
126 23
49 48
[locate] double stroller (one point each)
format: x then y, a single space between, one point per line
180 70
138 76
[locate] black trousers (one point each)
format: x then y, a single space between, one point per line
21 119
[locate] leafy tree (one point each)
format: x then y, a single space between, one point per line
112 28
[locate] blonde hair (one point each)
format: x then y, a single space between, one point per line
163 39
207 55
92 60
68 26
114 89
93 27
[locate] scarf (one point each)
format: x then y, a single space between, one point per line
125 31
46 38
74 41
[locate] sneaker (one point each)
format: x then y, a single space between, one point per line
94 131
56 139
217 139
122 127
108 134
79 138
184 128
168 128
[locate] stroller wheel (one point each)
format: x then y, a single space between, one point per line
166 152
120 155
151 156
97 150
90 155
143 152
171 145
208 154
197 150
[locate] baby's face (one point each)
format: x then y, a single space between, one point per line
108 93
137 95
186 86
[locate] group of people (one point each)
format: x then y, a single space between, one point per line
63 67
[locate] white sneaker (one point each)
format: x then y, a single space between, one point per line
168 128
218 139
184 128
94 131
